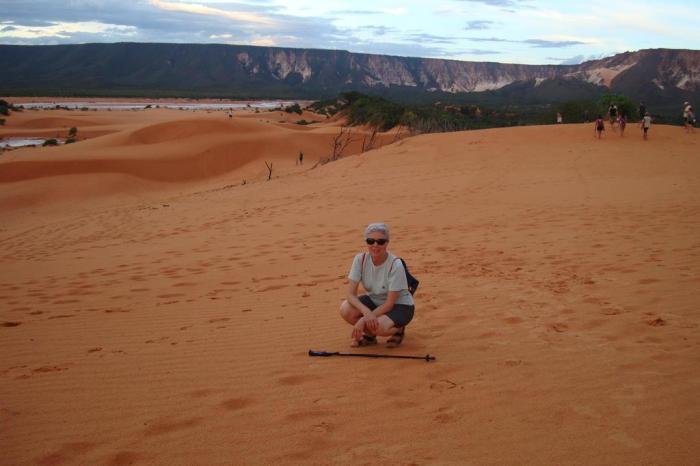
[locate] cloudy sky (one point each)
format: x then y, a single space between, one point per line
509 31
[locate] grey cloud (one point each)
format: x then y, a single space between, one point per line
419 37
478 25
490 39
354 12
551 43
538 43
153 24
8 28
481 52
377 30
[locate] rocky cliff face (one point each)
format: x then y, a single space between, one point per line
238 71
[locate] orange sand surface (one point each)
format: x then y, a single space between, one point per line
155 310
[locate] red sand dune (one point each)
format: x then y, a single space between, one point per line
177 147
145 322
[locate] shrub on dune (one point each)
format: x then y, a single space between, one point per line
293 109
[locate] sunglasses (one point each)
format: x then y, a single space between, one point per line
380 241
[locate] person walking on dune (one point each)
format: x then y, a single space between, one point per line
612 114
642 110
689 118
622 122
645 124
388 306
599 126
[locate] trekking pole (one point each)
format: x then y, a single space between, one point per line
426 358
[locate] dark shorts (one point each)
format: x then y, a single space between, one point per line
401 314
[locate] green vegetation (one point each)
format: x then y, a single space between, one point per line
6 106
380 113
328 107
293 109
383 114
576 111
50 142
624 105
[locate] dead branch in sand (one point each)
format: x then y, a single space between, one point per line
269 170
340 142
368 144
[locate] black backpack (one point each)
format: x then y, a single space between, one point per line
410 279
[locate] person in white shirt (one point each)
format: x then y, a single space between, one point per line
388 306
689 118
646 124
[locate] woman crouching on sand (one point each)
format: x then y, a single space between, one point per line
388 306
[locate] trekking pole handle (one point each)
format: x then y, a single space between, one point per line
321 353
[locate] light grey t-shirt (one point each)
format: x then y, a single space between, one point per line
378 281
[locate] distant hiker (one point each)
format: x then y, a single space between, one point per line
388 306
599 126
230 114
560 119
642 110
689 118
622 121
646 124
301 158
612 114
585 116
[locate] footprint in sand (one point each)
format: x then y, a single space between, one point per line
67 453
50 369
235 404
658 322
219 319
10 324
446 415
558 327
162 427
444 384
125 458
297 379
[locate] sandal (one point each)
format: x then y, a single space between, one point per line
396 339
367 340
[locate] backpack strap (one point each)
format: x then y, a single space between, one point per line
393 262
362 264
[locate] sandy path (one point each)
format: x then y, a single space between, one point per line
559 291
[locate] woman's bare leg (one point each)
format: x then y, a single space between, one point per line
350 313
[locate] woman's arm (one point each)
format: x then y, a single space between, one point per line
388 305
354 300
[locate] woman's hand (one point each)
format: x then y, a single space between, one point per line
371 322
358 329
